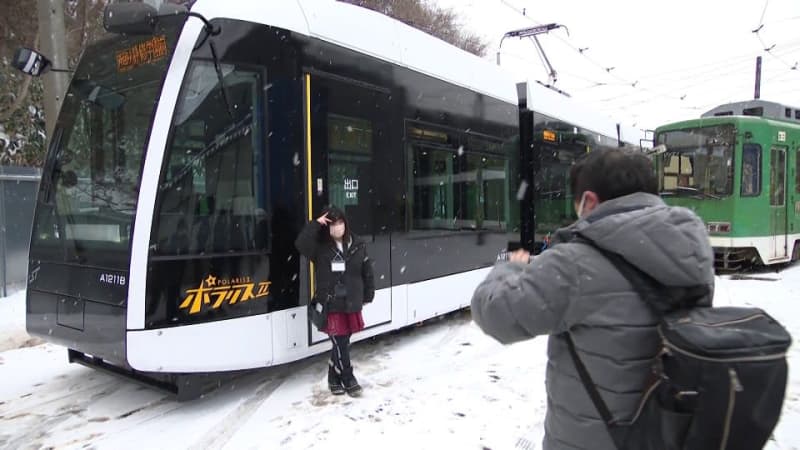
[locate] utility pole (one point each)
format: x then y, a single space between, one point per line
757 94
53 45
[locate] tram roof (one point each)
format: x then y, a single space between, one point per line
371 33
382 37
756 108
709 121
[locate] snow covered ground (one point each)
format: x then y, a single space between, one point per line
441 385
12 323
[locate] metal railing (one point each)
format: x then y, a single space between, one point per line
18 189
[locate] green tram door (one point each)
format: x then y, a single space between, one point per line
778 248
347 144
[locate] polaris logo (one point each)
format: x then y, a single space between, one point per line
112 278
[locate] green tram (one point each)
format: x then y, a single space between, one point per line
737 167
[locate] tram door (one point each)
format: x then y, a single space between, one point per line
777 202
347 137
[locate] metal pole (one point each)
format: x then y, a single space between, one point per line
551 72
527 171
53 41
757 94
500 48
3 225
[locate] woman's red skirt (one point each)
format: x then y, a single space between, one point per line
340 324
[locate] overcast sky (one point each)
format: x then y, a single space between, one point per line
684 56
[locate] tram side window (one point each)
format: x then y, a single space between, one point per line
212 192
350 146
432 180
459 188
559 145
797 171
777 177
495 191
751 170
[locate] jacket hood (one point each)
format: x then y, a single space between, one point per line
668 243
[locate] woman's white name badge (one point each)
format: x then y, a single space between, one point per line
337 266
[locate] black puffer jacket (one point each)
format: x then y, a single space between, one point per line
316 245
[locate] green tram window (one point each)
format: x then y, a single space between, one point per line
751 170
797 170
777 177
698 161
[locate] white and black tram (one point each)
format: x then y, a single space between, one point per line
192 147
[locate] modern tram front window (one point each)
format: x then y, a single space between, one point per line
91 182
697 161
212 195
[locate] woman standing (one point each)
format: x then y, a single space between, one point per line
344 282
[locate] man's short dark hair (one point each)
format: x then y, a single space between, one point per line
613 173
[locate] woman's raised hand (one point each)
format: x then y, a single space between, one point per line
323 220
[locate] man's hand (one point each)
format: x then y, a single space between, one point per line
520 256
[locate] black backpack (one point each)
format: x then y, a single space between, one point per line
718 382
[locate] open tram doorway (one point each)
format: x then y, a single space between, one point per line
346 142
778 205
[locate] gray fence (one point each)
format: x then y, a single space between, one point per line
18 188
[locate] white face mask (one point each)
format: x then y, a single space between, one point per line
337 230
580 206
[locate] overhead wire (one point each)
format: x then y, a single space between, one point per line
769 48
699 76
609 70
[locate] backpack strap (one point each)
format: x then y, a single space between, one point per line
588 383
618 434
660 298
648 289
643 284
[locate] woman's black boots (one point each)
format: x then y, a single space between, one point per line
335 381
350 383
340 371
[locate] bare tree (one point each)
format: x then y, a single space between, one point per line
22 117
434 20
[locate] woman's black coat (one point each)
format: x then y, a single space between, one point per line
315 243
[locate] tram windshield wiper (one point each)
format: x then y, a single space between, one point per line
212 31
98 94
221 79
